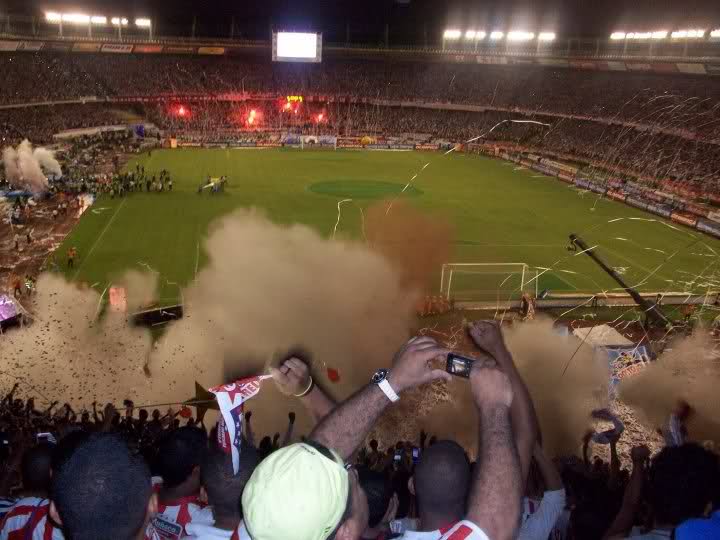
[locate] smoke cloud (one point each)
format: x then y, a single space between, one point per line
265 290
418 244
27 168
688 371
563 402
68 354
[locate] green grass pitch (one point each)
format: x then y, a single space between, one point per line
501 214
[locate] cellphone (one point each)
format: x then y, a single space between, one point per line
416 455
398 456
460 366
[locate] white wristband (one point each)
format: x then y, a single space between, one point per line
388 390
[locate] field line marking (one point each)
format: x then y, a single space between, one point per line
197 257
97 240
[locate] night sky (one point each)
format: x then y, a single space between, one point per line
409 20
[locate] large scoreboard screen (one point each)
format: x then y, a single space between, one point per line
296 47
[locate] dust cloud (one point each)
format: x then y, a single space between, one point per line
563 402
689 371
417 243
27 168
267 289
68 354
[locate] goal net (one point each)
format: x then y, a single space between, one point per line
487 281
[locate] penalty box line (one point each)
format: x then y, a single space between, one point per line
97 240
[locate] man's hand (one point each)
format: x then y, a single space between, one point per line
490 386
487 335
292 376
291 417
640 454
411 365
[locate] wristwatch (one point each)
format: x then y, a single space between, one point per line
380 378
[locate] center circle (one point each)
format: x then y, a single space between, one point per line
362 189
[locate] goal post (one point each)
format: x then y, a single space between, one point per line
487 281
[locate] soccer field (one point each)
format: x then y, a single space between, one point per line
500 214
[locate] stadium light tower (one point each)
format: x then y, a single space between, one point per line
546 36
715 33
520 36
144 22
451 34
496 35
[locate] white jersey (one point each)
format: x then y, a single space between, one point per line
205 531
539 524
465 530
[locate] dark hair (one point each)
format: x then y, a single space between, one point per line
442 479
179 452
681 483
374 444
35 468
102 490
378 491
224 488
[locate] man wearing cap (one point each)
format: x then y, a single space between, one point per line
304 491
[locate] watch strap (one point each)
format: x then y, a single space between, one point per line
388 390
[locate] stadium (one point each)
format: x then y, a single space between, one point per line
206 205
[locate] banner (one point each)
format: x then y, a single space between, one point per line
401 146
9 45
685 219
661 209
707 226
616 195
636 202
625 362
211 50
269 145
86 47
230 398
30 46
148 49
178 50
426 146
714 216
116 48
377 146
582 183
565 177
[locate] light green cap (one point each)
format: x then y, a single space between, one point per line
296 493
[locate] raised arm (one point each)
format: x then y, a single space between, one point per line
348 424
487 336
497 484
633 494
293 379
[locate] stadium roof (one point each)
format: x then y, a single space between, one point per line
409 20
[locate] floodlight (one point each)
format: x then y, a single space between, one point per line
452 34
470 34
688 34
617 36
496 35
546 36
53 17
480 35
659 34
715 33
519 35
76 18
143 23
117 21
98 19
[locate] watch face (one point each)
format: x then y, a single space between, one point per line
379 376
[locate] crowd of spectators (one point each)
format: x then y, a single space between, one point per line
112 475
677 102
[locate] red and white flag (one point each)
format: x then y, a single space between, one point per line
230 398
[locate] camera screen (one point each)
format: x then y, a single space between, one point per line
458 365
